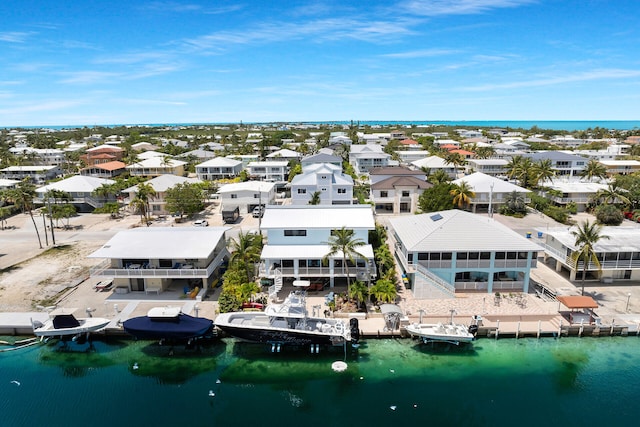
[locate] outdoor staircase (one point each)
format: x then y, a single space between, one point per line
429 286
277 285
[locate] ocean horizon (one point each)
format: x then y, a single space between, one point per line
559 125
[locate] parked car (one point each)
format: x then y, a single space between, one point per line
201 223
258 211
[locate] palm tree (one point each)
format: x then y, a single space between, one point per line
455 159
522 169
343 241
141 201
439 177
359 292
462 194
542 170
514 202
22 196
315 198
384 291
613 194
513 166
246 249
594 169
484 152
587 235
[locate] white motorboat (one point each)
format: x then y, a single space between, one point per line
288 324
67 324
452 333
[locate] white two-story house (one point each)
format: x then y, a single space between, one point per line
218 168
159 259
276 171
368 156
297 243
334 187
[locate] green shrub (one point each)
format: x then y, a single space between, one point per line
609 215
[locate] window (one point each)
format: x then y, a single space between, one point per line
234 196
323 189
302 191
485 255
512 255
434 257
256 196
461 255
295 232
474 255
500 255
446 256
342 191
423 256
287 263
384 194
405 194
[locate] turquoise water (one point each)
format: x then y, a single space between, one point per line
492 383
568 125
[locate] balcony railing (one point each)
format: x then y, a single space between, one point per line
104 269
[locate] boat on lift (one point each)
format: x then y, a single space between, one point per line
288 323
453 333
65 324
168 323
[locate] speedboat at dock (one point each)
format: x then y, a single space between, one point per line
168 323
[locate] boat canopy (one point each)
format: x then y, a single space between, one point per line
185 327
65 321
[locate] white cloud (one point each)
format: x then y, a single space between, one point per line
177 7
603 74
89 77
423 53
458 7
15 36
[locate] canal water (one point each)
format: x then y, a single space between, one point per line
527 382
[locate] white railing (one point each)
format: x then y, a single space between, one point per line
436 281
106 270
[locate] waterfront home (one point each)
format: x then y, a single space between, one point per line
396 189
297 239
156 259
272 171
36 174
453 251
104 170
562 163
334 187
368 156
410 144
8 183
41 156
151 154
80 188
157 166
618 256
143 146
573 191
490 191
247 195
160 184
493 167
200 155
432 164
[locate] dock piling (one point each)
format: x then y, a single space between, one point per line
539 328
497 328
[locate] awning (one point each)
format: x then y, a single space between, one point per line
306 252
577 301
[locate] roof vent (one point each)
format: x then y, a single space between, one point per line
436 217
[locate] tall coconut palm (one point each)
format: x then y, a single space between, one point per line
586 235
613 194
22 196
438 177
594 169
140 202
462 194
343 241
542 170
246 249
456 160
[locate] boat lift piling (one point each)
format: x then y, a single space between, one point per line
539 329
497 328
581 328
518 330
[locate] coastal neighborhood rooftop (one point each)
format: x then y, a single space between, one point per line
318 216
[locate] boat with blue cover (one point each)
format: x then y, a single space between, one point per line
168 323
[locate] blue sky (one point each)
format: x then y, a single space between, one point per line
108 62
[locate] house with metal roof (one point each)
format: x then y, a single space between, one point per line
432 164
367 156
491 192
156 166
272 171
493 167
160 184
622 167
80 188
562 163
218 168
321 157
161 259
453 251
567 191
36 174
297 245
618 256
247 195
283 154
333 186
